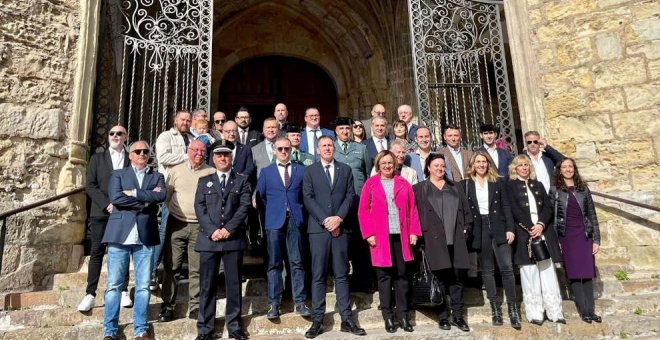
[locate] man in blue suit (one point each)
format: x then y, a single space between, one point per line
313 131
378 141
500 157
279 191
221 205
132 230
328 194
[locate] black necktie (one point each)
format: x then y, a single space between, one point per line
294 157
316 140
345 146
186 141
222 183
287 178
327 174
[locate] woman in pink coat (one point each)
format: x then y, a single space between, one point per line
390 224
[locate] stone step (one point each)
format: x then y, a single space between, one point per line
615 328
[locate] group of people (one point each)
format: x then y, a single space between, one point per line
358 202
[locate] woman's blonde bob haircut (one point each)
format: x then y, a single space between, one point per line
516 162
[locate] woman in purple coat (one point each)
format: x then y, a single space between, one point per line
390 224
579 235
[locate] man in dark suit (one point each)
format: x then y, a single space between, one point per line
132 231
241 155
221 204
247 135
405 114
100 168
281 114
328 194
279 193
313 131
378 141
500 157
543 158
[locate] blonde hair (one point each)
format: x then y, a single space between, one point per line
201 123
491 174
516 162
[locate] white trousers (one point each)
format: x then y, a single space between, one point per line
541 291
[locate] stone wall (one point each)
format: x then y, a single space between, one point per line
599 65
38 44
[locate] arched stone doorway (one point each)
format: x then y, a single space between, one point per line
261 82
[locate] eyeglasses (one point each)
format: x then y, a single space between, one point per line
242 117
197 150
116 133
220 121
141 151
532 142
283 149
355 126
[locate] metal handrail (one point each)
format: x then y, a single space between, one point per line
5 215
627 201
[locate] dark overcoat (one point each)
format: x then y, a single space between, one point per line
435 242
520 210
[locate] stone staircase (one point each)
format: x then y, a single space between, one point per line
630 308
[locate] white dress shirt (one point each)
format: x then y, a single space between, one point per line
493 155
458 158
542 174
331 169
117 158
281 170
269 149
310 138
381 143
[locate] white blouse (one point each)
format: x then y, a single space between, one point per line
482 197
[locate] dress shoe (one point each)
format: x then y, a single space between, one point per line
596 318
238 335
303 310
461 324
314 330
143 336
273 312
405 325
203 337
561 321
349 326
444 324
166 315
586 318
193 314
109 337
537 322
389 325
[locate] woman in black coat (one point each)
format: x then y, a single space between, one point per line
579 235
445 218
493 231
532 214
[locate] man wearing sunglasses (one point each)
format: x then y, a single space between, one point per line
132 231
219 119
99 170
279 191
543 157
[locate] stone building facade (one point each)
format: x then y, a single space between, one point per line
587 76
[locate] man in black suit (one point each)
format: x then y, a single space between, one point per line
100 168
378 141
501 158
221 204
328 193
242 154
247 135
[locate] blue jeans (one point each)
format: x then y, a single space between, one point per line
118 261
286 239
158 249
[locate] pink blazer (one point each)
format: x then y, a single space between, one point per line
372 214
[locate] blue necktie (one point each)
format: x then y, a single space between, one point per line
327 174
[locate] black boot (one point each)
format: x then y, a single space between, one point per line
514 316
496 313
389 325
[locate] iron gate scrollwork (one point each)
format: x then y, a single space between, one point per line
162 55
460 67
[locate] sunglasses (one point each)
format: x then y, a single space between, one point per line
283 149
220 121
141 151
116 133
532 142
355 126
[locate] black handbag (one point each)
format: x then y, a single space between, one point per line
426 289
537 249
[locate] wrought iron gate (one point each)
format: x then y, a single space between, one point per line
161 64
460 67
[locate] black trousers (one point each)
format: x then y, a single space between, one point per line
398 276
451 281
583 289
209 263
327 250
491 251
96 253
